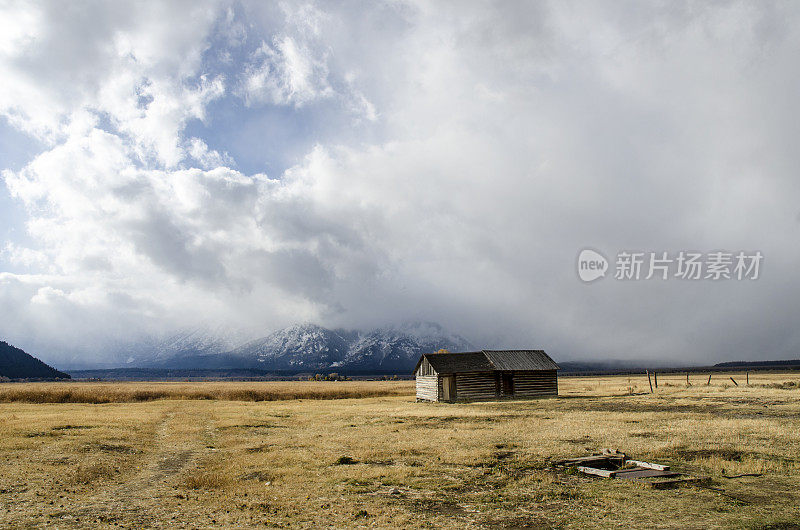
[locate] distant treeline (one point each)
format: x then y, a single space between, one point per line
248 374
760 364
619 368
244 374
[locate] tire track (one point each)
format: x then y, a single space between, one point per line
148 498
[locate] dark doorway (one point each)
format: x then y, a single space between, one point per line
449 388
507 382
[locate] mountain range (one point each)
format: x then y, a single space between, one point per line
298 348
17 364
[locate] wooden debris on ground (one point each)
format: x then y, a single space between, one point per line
611 463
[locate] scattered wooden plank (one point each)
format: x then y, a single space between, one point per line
594 471
658 476
734 381
648 465
641 472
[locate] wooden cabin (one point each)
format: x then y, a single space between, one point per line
485 375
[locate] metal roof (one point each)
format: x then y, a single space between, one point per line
489 361
520 360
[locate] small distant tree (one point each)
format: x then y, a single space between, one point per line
443 351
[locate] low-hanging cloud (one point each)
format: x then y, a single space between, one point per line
468 153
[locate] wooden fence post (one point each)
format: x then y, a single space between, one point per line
747 374
655 378
734 381
709 380
649 381
687 379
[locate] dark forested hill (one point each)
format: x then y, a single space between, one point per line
16 364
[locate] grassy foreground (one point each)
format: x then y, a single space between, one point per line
390 462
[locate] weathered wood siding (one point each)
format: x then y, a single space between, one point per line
538 383
428 387
475 386
425 368
485 386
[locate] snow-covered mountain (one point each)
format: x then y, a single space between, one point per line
304 346
301 347
398 348
198 347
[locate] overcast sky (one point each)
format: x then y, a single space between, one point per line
357 164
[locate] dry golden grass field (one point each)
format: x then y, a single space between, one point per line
199 455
